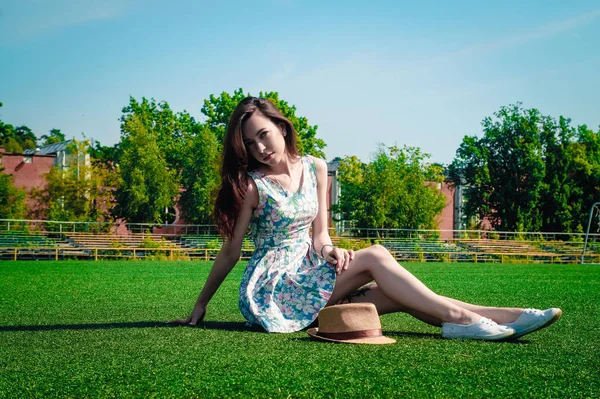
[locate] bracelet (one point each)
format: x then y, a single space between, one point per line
326 245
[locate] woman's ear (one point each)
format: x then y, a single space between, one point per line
282 128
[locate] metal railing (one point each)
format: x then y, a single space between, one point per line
209 254
345 230
467 244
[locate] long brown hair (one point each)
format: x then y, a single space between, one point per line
237 161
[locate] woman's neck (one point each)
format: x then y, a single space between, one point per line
285 167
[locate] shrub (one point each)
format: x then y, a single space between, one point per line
354 245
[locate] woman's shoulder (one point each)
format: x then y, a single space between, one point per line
251 196
320 164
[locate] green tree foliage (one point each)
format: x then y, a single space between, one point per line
200 176
12 146
16 139
170 130
558 188
104 155
189 150
219 109
396 190
12 199
528 172
80 191
55 136
585 173
147 185
25 137
504 170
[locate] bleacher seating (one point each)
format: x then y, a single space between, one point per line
199 241
62 245
133 240
425 250
24 239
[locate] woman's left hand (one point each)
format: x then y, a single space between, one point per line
340 258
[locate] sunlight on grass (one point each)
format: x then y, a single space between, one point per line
97 329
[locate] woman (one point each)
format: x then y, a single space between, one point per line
268 187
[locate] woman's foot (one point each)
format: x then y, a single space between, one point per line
484 329
532 320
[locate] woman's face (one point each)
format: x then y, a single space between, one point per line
263 139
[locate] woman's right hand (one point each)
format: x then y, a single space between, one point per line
193 319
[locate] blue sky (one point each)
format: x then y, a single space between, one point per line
396 72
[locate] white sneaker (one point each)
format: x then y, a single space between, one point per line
532 320
485 329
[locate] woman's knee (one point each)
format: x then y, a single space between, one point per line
375 258
380 252
381 258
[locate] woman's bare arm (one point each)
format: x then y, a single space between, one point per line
320 235
321 239
226 259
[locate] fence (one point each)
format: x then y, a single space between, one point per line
343 230
207 254
103 227
41 239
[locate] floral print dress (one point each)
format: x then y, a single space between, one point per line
286 283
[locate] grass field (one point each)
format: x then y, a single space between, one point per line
95 329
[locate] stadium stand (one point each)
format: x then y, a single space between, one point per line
85 245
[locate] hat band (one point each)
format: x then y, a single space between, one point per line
352 334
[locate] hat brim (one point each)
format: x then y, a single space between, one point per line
367 340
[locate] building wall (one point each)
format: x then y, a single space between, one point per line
27 175
446 219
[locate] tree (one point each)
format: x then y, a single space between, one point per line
503 171
79 191
55 136
147 186
529 172
219 109
11 145
200 176
104 155
170 130
558 188
12 199
7 136
17 139
396 190
585 173
25 137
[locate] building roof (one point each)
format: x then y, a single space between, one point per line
333 166
49 149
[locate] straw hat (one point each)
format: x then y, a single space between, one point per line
352 323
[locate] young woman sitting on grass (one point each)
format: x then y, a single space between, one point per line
268 187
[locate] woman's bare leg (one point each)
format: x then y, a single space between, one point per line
371 293
376 263
499 315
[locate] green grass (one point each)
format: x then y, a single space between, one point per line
86 329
